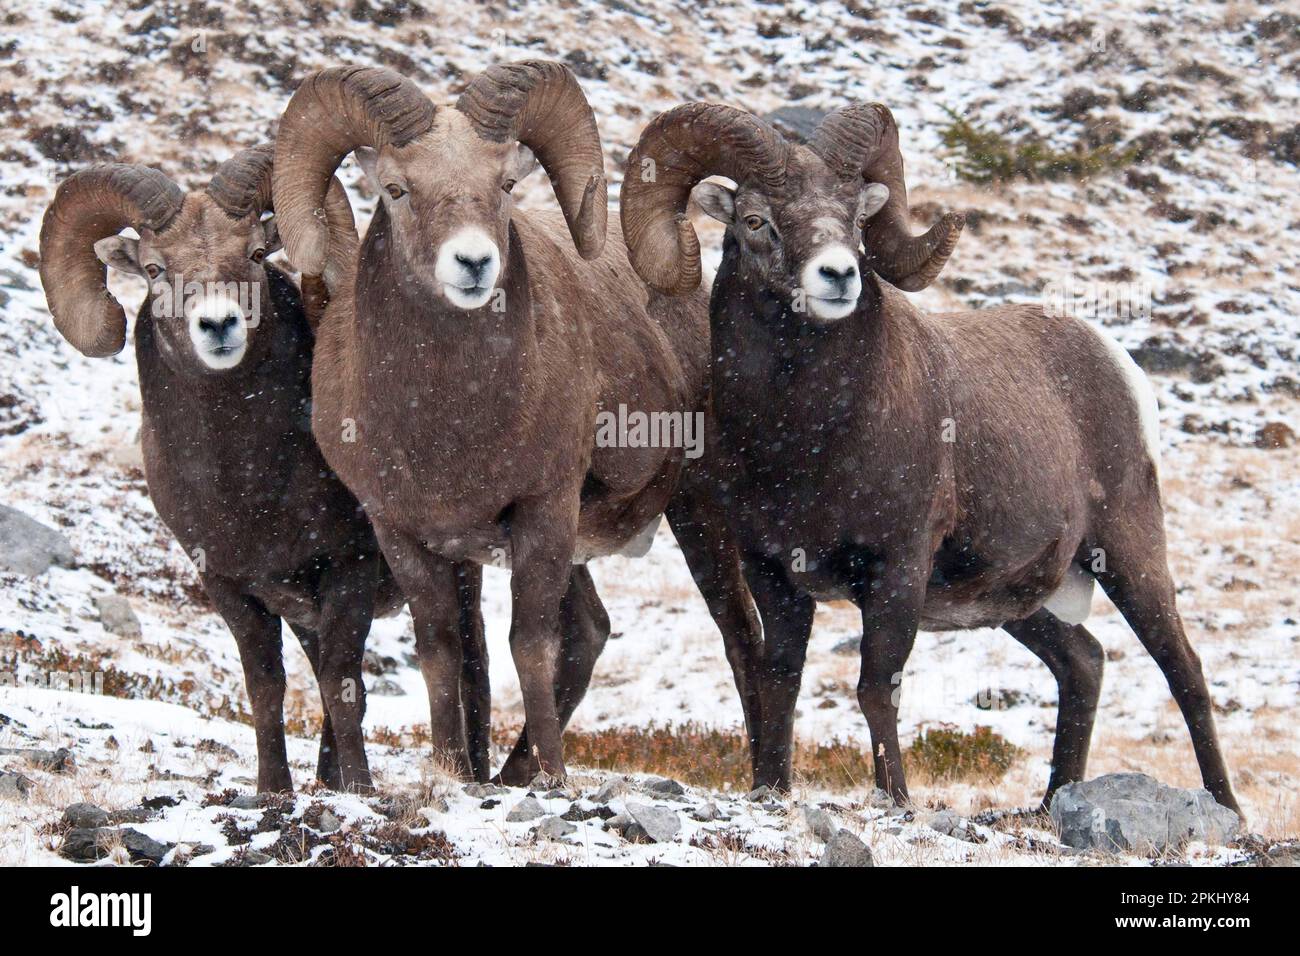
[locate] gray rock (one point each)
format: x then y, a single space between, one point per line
945 822
664 787
385 687
760 794
609 790
659 823
481 791
14 786
116 615
707 813
822 825
849 647
1131 811
555 828
28 547
329 823
879 800
844 849
54 761
619 822
529 808
85 816
92 843
246 801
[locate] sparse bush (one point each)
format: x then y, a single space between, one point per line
949 753
983 156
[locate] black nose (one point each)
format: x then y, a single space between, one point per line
839 276
474 267
219 328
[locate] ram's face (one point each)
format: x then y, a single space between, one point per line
804 242
448 198
208 289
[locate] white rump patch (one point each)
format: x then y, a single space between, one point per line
1143 394
1072 601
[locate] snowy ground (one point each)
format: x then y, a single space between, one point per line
1210 235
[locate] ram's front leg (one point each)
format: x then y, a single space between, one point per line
891 612
430 585
542 537
347 597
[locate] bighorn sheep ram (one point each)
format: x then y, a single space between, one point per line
224 351
940 471
459 377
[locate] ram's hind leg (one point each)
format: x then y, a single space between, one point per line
476 688
1075 659
584 629
1137 580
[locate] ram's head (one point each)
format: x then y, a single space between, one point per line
444 176
802 215
201 253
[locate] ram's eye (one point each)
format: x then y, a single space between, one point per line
509 184
395 191
258 255
754 223
152 271
862 221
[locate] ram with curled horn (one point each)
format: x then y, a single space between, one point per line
223 347
476 349
940 471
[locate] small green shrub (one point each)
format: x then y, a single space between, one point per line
983 156
948 753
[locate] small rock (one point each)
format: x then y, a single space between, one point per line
844 849
664 787
660 823
707 813
759 794
945 822
329 823
28 547
216 748
386 687
14 786
879 800
85 816
94 843
481 791
526 809
619 822
246 801
116 615
1132 811
849 647
609 790
545 781
255 858
822 825
142 847
54 761
555 828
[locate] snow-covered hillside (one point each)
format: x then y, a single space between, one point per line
1194 228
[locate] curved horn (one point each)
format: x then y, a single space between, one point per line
88 206
679 148
540 104
862 140
241 186
332 113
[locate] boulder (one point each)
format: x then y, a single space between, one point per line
85 816
822 825
529 808
28 547
1131 811
659 823
116 615
844 849
555 828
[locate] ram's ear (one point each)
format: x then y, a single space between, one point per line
874 198
524 162
272 234
716 200
120 253
367 158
